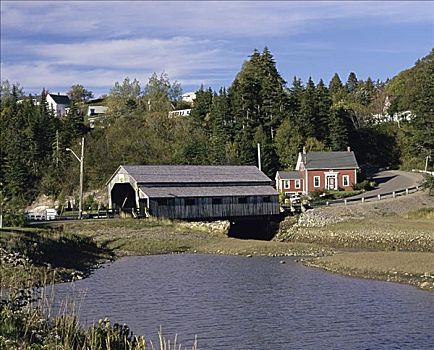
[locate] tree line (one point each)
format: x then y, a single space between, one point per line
224 127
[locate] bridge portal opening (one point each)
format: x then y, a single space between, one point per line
123 197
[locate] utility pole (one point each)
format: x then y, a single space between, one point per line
81 161
259 157
57 148
426 162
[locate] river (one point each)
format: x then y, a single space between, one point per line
233 302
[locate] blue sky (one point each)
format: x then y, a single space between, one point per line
96 43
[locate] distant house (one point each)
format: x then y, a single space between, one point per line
193 191
95 114
179 113
96 110
59 104
319 171
188 97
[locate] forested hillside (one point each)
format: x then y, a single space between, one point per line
224 127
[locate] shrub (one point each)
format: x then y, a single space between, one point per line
365 185
428 184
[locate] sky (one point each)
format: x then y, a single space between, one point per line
56 44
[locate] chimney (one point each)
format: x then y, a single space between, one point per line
348 149
304 150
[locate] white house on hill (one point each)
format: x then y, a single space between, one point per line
58 104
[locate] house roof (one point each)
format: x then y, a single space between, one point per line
289 175
330 160
207 174
60 99
207 191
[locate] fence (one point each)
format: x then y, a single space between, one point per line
372 198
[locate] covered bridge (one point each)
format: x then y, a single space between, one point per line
192 191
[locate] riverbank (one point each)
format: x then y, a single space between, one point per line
412 268
149 237
31 255
395 235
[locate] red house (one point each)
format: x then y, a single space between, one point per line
320 171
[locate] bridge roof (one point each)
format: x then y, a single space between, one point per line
196 174
208 191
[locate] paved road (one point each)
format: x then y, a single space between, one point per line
392 180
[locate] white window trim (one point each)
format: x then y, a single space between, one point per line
319 181
297 184
286 184
345 178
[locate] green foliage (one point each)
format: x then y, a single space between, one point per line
428 184
365 185
288 143
77 93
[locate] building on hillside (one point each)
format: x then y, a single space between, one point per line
96 110
386 117
59 104
95 114
320 171
197 192
188 97
179 113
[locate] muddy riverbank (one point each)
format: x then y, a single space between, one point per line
395 235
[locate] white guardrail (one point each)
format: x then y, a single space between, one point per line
378 197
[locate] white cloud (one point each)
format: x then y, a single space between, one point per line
217 19
101 63
96 43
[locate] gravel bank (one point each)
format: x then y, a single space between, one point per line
381 225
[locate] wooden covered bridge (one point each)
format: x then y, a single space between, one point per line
193 192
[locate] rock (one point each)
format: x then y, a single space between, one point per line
282 261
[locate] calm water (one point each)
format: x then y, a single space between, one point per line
255 303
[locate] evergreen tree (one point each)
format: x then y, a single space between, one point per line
257 95
308 110
323 102
202 107
336 89
219 138
338 135
245 148
294 102
17 149
351 84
